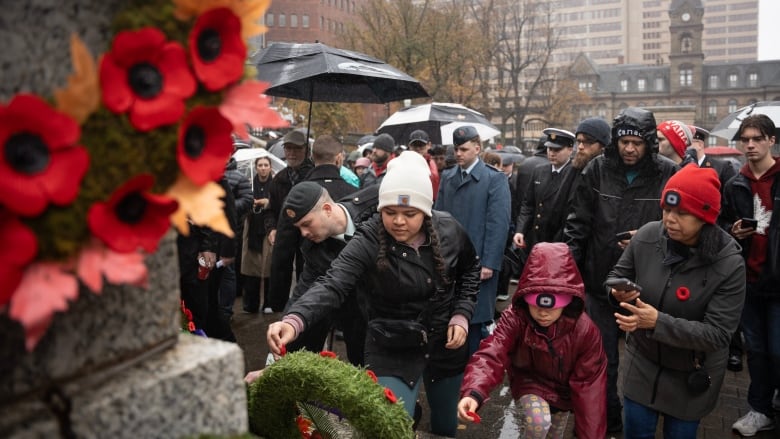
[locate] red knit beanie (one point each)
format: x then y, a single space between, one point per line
695 190
678 134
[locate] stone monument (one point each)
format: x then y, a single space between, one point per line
115 364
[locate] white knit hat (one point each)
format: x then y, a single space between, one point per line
407 183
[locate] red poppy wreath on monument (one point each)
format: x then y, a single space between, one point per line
96 174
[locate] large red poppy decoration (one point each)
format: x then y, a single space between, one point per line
204 145
133 218
18 249
40 161
147 76
217 49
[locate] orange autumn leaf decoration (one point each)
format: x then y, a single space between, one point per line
250 11
81 97
202 205
245 103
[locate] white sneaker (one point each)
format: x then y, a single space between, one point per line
268 311
502 297
752 423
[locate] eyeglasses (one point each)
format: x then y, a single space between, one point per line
586 142
747 140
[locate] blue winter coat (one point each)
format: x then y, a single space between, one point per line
482 205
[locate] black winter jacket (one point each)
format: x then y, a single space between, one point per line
605 203
408 290
241 188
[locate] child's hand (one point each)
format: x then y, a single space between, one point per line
467 407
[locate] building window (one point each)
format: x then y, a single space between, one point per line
732 105
322 22
601 111
624 85
713 81
712 110
732 80
659 84
293 20
753 79
269 20
282 20
686 77
304 21
640 84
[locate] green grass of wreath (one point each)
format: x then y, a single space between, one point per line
306 376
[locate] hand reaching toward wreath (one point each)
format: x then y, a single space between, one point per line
279 334
466 407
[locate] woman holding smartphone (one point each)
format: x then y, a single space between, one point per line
679 327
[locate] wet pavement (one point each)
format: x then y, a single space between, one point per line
498 418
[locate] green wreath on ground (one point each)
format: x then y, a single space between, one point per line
306 377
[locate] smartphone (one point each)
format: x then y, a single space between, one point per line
748 223
622 236
622 284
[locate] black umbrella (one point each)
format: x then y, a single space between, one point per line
315 72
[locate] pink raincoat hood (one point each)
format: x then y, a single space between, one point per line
550 269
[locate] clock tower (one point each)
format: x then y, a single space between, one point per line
685 55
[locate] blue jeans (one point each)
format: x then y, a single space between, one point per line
761 328
227 290
442 398
641 422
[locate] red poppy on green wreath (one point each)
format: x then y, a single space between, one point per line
327 354
147 76
217 49
204 145
390 395
40 161
304 425
19 249
133 217
372 375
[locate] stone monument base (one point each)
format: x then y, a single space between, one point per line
191 389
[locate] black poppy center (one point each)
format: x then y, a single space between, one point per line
27 153
195 141
145 80
209 45
131 209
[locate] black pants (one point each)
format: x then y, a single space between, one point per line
286 252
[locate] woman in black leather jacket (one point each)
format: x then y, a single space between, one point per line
420 267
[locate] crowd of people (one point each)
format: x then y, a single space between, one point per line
624 230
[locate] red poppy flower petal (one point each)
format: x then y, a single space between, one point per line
210 164
28 111
172 63
63 176
327 354
474 417
147 115
283 351
19 243
12 277
19 194
131 47
390 395
216 76
372 375
19 248
115 90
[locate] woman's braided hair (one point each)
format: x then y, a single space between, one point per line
440 266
